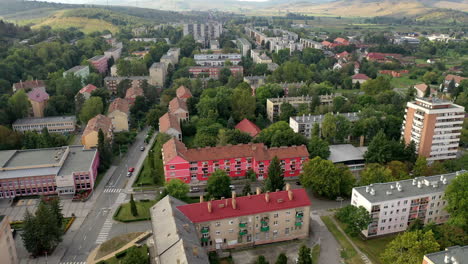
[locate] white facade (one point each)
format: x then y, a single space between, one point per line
217 59
305 123
308 43
394 205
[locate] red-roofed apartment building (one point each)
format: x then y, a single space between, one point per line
38 98
195 165
248 127
183 93
28 85
250 220
87 90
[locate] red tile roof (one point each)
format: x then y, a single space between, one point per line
341 41
168 121
183 92
38 94
248 127
245 205
29 84
119 104
360 76
133 92
257 150
176 104
421 87
457 78
88 89
172 148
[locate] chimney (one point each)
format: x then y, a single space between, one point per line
259 191
209 207
288 186
201 198
233 195
234 203
267 197
290 195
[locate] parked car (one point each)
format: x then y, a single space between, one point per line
233 187
129 174
142 148
131 169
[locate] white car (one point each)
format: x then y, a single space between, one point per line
232 187
129 174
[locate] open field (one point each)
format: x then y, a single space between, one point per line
115 243
84 24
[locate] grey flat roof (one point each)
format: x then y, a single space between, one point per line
34 157
460 254
345 152
407 188
126 77
76 68
40 120
97 57
78 159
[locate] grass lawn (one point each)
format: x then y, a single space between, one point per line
115 243
146 177
124 213
19 224
403 82
348 253
315 253
372 247
143 249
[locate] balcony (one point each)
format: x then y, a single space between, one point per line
242 224
299 214
265 228
205 230
298 224
243 232
205 239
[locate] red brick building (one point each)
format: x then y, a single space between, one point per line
213 72
195 165
99 62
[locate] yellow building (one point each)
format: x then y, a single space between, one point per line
7 243
119 111
38 98
89 139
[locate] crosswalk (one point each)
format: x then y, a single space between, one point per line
104 231
74 262
112 190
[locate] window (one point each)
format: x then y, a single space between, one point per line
385 206
275 223
430 213
231 230
385 213
382 228
404 210
391 212
286 230
275 216
397 211
218 233
390 219
172 167
217 223
231 222
383 220
406 202
288 212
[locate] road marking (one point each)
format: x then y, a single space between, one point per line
106 227
74 262
112 190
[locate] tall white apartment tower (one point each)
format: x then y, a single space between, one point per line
435 126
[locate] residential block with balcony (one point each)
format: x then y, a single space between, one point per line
395 205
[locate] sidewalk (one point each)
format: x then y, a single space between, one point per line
139 165
362 255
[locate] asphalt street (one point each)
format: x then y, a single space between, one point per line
98 226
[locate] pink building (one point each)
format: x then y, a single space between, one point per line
62 171
99 62
213 72
195 165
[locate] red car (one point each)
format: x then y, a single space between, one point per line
131 169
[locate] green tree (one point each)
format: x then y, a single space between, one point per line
356 218
457 203
420 167
135 256
399 170
409 248
246 189
92 107
133 207
19 104
243 104
233 137
280 134
261 260
275 180
105 155
318 148
379 150
305 256
176 188
287 110
218 184
282 259
326 179
329 128
375 173
376 86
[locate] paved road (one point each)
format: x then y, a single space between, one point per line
98 226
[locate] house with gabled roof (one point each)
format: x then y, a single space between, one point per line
119 113
248 127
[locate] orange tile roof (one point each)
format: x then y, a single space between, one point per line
172 148
168 121
176 104
257 150
360 76
248 127
183 92
99 122
421 87
88 89
119 104
457 78
133 92
29 84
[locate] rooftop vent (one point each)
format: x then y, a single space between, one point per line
399 188
414 181
389 192
444 181
392 187
367 189
372 191
419 184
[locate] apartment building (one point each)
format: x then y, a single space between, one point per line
273 105
132 93
449 78
213 72
259 56
217 59
451 255
435 126
305 123
38 98
244 46
204 33
99 62
28 85
7 243
136 81
170 124
308 43
86 91
255 82
394 205
62 171
113 53
250 220
90 135
54 124
78 71
157 73
119 113
183 93
179 109
171 57
195 165
175 238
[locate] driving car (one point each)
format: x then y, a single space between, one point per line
131 169
142 148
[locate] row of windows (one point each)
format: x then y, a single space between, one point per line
26 182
